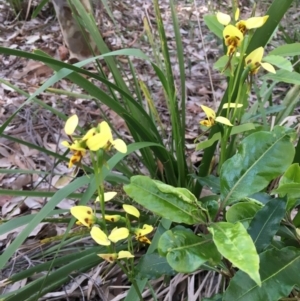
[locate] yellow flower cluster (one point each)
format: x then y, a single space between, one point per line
99 137
86 217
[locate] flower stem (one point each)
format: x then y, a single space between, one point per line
132 280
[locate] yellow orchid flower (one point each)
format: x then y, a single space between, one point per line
144 231
77 149
114 256
233 38
131 210
251 23
71 125
118 144
254 61
116 234
84 215
140 234
97 141
102 138
212 119
242 25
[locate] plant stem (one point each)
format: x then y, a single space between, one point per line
132 280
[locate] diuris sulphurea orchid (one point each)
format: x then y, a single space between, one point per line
242 25
254 61
84 215
233 38
96 138
211 118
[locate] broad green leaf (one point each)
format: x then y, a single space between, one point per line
290 189
145 191
290 182
284 76
185 251
182 193
242 212
279 62
266 223
296 220
235 244
213 25
261 157
287 50
153 266
292 175
211 181
279 274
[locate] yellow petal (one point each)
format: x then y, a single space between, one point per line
109 195
125 254
112 218
91 132
222 18
144 239
99 237
66 144
232 105
223 120
144 231
84 214
109 257
237 14
256 22
75 159
268 67
71 125
254 57
120 146
207 123
105 129
131 210
118 234
77 146
208 112
97 141
231 31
